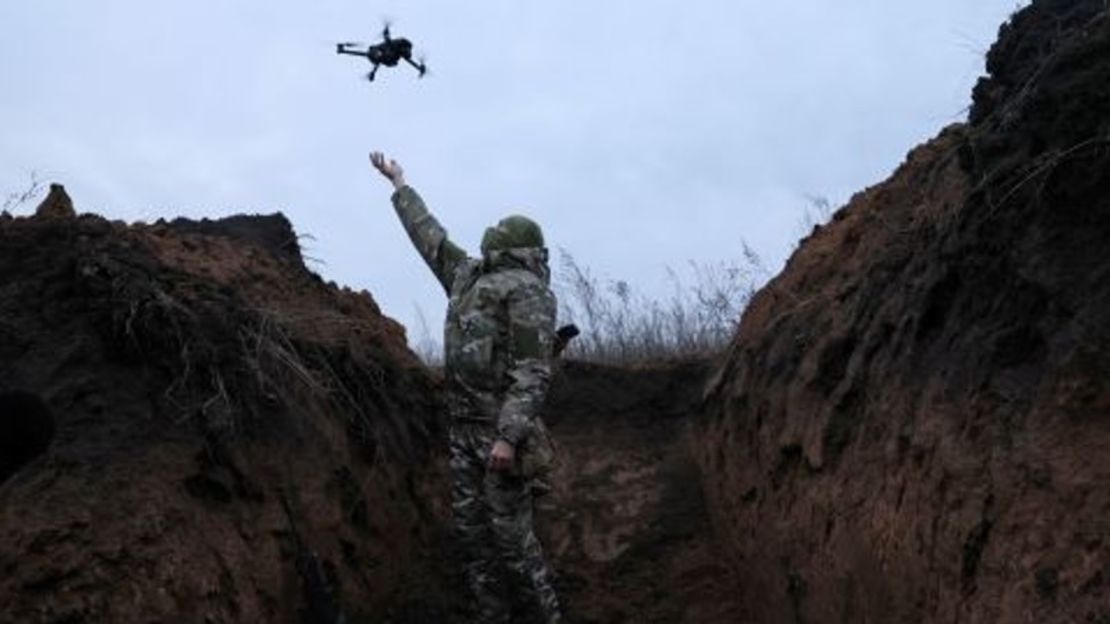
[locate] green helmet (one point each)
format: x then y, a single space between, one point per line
512 232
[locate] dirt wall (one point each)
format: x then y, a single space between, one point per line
626 528
162 385
913 422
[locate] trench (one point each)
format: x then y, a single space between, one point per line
625 528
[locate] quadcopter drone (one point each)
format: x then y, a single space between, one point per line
389 52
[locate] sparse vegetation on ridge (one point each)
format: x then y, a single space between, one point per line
621 324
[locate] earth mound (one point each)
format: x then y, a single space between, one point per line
162 388
913 422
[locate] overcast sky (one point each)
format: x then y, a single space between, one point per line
640 134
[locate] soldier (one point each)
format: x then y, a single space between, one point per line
498 341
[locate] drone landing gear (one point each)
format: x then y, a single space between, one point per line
373 72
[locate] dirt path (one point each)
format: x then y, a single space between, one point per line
626 528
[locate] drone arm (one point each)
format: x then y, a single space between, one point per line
420 67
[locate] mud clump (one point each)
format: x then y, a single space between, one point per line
913 422
272 233
160 385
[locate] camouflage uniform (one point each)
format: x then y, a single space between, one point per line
498 340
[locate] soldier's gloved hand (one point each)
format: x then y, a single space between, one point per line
391 170
501 456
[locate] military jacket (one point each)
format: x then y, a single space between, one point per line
500 327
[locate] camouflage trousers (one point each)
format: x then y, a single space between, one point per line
493 523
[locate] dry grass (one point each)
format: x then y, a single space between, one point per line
424 344
620 324
13 201
817 213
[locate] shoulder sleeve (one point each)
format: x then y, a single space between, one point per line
429 237
531 316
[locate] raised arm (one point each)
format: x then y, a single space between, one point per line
531 309
426 233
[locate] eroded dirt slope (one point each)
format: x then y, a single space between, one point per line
913 422
159 386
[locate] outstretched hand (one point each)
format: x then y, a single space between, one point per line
391 170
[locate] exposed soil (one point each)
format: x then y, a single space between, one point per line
913 423
626 527
158 389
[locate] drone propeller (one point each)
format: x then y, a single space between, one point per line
352 44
